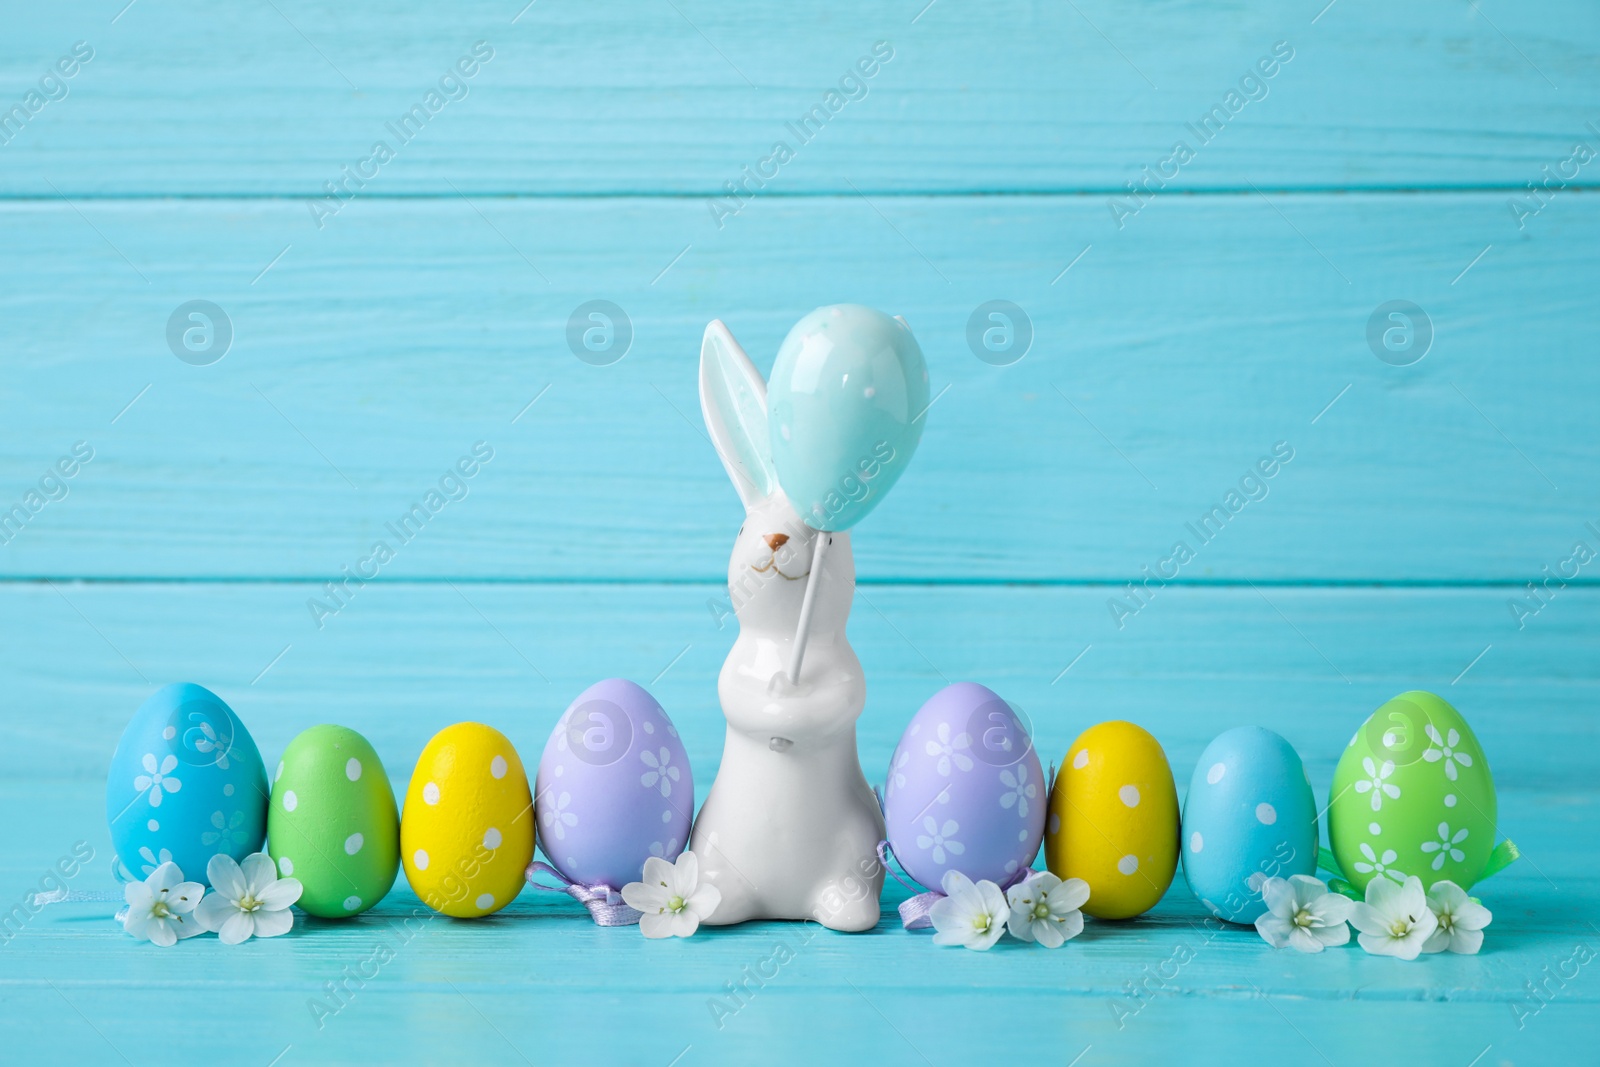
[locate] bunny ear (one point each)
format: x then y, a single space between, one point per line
733 399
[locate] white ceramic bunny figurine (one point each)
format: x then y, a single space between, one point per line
790 829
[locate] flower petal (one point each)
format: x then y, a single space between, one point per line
1332 935
1069 895
1332 909
955 884
686 874
1274 929
1471 915
704 900
214 910
684 923
658 872
1020 922
1368 919
137 923
183 897
280 894
1412 897
1301 940
223 872
274 923
259 872
646 897
654 924
166 875
186 926
160 932
1279 896
237 928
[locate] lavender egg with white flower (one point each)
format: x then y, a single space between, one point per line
1249 815
614 786
186 783
965 790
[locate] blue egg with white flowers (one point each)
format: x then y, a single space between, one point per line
1249 815
185 784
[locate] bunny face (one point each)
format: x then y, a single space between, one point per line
769 567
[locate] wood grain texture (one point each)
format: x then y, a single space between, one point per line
1170 359
1177 338
403 660
644 97
539 979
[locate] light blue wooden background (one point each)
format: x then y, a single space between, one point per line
1228 314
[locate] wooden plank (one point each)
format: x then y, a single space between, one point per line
1166 362
646 97
541 981
402 661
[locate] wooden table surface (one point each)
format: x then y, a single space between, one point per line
1441 152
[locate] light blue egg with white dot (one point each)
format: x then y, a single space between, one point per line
1249 815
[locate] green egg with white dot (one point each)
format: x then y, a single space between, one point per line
1413 795
333 822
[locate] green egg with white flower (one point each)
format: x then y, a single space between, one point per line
332 822
1413 795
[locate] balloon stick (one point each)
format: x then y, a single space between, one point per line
803 630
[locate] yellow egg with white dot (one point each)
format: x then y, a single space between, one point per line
466 834
1114 820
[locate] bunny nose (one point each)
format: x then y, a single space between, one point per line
780 744
776 541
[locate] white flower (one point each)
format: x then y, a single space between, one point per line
152 860
671 900
969 915
557 818
161 908
1446 846
659 771
940 839
209 743
948 750
1446 751
1374 781
1461 920
1376 864
1045 909
1394 920
249 901
1302 914
1022 790
155 779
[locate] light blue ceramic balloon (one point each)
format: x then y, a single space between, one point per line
846 403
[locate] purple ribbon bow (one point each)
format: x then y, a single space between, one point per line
605 904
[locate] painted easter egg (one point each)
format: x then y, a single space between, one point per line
966 791
847 394
466 834
614 786
186 783
333 823
1114 820
1413 795
1249 815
